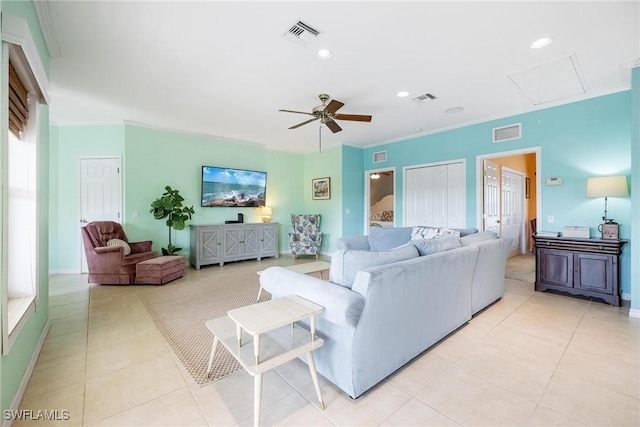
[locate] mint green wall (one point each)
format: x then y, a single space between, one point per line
13 366
156 158
327 163
71 144
352 191
577 140
635 190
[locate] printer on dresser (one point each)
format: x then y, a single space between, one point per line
579 266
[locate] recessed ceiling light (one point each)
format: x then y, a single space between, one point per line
542 42
323 53
403 94
453 110
417 130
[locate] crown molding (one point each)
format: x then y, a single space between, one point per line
16 31
46 26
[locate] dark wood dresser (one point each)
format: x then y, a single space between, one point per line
588 267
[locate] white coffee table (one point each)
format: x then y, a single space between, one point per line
306 268
274 343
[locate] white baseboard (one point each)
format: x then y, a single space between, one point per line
64 271
15 404
634 312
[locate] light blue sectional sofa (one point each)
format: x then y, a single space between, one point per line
384 307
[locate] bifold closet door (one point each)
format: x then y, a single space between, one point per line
435 196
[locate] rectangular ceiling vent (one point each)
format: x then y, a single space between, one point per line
301 33
380 156
507 133
426 97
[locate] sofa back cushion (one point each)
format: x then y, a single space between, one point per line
478 237
346 263
432 246
383 239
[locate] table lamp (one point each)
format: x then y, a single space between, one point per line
266 214
607 186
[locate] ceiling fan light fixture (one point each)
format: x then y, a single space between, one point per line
323 53
542 42
402 94
375 176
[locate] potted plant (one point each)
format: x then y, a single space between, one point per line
169 206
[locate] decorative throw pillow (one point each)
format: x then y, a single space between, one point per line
386 216
346 263
448 232
432 246
424 233
119 242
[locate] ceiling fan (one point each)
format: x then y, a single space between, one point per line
327 114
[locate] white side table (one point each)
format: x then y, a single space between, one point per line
274 343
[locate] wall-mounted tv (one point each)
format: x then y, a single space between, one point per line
228 187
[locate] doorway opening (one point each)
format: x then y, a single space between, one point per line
508 198
380 198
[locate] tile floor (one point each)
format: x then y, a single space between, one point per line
534 359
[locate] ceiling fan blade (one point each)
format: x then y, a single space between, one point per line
333 106
353 117
333 126
304 123
298 112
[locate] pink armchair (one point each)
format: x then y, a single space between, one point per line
108 264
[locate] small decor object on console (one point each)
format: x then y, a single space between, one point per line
321 188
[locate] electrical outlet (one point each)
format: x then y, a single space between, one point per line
135 214
347 211
551 219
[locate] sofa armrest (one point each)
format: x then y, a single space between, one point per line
360 243
341 306
139 247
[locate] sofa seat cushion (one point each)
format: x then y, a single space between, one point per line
432 246
346 263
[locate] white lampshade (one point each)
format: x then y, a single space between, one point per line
607 186
266 210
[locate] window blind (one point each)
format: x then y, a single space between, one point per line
18 106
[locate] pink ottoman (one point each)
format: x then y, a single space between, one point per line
160 270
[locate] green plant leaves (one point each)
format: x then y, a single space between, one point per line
169 206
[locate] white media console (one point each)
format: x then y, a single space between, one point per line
220 243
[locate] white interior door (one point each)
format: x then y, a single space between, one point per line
100 193
512 209
435 196
491 205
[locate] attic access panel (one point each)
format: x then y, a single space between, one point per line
552 81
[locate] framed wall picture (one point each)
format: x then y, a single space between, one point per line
321 188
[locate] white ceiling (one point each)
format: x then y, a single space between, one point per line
225 69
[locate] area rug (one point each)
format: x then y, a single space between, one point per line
181 308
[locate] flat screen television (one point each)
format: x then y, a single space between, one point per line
226 187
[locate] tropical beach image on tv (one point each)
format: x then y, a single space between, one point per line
227 187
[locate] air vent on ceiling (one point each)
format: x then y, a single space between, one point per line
507 133
301 33
426 97
380 156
